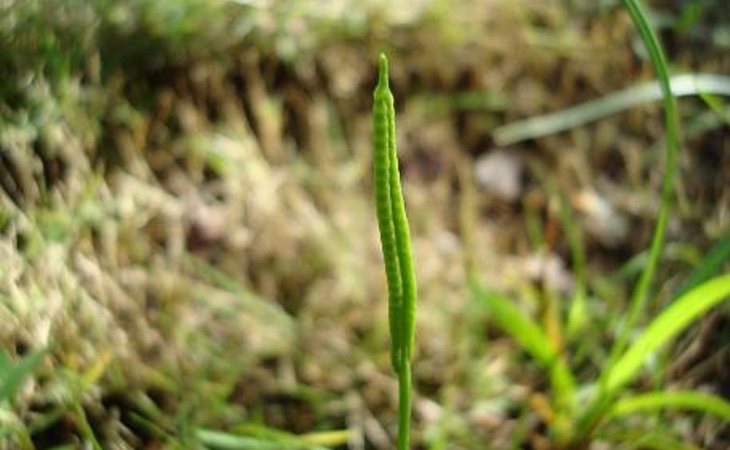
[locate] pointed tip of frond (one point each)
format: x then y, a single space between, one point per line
383 70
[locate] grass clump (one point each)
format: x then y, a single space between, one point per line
575 419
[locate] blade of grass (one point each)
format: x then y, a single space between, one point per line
13 432
528 334
6 364
214 276
577 316
328 438
680 314
707 403
711 264
573 117
87 431
13 377
514 322
643 286
643 440
322 438
229 441
716 105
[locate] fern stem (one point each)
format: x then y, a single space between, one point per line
404 406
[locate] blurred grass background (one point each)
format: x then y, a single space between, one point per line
186 219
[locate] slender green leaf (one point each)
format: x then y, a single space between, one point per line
577 315
213 275
707 403
685 310
531 338
573 117
643 440
328 438
710 265
13 431
85 427
519 326
6 364
11 380
323 438
227 441
716 105
671 119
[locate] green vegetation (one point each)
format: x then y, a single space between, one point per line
575 421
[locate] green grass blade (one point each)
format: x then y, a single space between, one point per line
716 105
682 85
216 277
711 264
228 441
643 440
514 322
671 118
317 438
700 401
528 334
13 377
85 427
577 314
6 364
685 310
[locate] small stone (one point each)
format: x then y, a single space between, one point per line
601 218
500 173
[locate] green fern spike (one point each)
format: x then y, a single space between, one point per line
384 209
395 244
393 223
